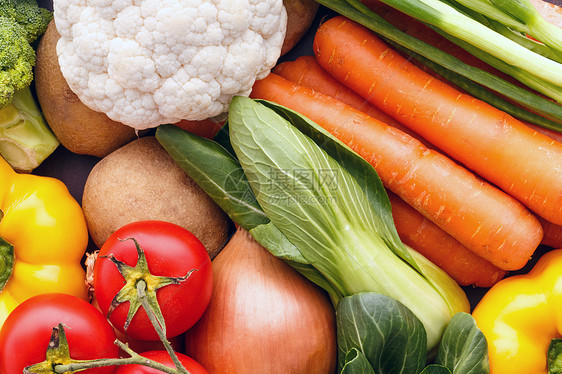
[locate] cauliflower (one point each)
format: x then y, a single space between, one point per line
149 62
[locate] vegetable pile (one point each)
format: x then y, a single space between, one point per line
385 197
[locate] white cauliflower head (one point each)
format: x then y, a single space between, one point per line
149 62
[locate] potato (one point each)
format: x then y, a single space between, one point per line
78 128
300 14
140 181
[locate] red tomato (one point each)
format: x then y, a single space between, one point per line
25 335
170 251
192 366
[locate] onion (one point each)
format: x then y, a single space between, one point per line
264 317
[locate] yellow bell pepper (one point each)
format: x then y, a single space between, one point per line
521 315
47 231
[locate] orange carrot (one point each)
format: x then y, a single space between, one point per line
552 234
423 32
414 229
306 71
522 162
484 219
442 249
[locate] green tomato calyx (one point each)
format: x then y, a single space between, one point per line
134 275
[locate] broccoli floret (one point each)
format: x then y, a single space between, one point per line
28 15
17 59
25 138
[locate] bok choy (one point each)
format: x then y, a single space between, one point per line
329 214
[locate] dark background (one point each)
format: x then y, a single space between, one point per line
73 169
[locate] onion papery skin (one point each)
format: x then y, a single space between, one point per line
263 317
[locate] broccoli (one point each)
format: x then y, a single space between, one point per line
28 15
17 59
25 137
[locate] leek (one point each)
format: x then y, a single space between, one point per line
459 25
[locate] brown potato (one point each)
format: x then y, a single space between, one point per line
78 128
300 14
140 181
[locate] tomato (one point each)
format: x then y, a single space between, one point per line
170 251
192 366
25 335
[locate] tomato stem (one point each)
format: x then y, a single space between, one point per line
135 359
58 359
155 315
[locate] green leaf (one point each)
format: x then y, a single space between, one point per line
356 363
216 171
314 201
555 356
363 172
277 244
220 175
321 208
464 349
435 369
390 336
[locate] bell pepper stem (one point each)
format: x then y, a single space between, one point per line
155 315
555 357
6 259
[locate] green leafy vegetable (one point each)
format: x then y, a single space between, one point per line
435 369
220 175
216 171
386 332
389 336
351 255
321 208
356 363
464 349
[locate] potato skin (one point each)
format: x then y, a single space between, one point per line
78 128
140 181
300 14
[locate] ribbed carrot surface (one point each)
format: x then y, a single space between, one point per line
418 232
442 249
524 163
306 71
480 216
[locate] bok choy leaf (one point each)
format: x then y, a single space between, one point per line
329 214
220 175
386 332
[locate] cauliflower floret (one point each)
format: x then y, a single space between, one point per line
149 62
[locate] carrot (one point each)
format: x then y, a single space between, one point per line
415 28
552 234
442 249
555 135
501 149
306 71
484 219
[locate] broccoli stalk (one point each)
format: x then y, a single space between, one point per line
25 138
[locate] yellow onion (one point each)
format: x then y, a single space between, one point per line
264 317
